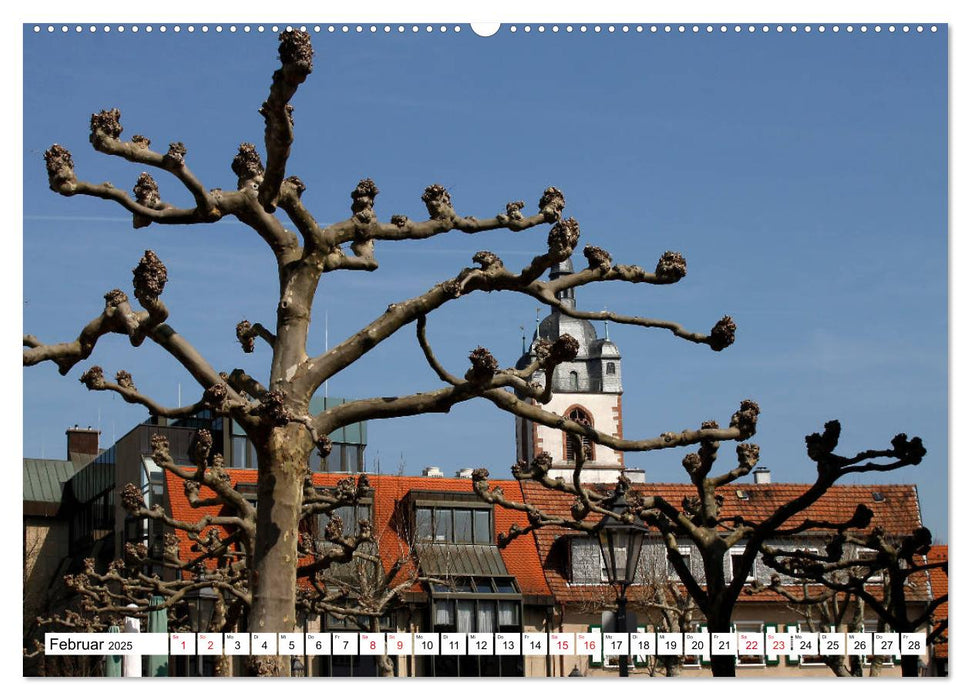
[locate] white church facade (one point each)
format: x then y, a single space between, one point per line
588 389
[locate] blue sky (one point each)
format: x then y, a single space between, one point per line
804 177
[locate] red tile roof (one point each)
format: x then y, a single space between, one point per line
939 587
521 557
536 562
898 512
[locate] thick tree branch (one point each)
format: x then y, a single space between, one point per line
296 58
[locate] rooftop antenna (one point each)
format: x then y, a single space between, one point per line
606 327
537 321
523 331
180 394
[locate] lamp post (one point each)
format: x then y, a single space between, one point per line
202 604
620 544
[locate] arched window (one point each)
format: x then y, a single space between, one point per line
611 368
578 415
574 381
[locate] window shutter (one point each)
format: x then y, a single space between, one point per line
705 658
596 658
792 658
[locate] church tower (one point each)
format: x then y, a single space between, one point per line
587 387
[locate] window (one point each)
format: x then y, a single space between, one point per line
423 523
342 666
462 525
454 525
574 381
587 565
611 368
476 615
685 551
578 415
813 659
482 531
692 656
747 657
343 457
872 626
737 554
242 454
349 515
876 573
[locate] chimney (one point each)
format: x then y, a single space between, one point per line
82 441
465 473
431 471
762 475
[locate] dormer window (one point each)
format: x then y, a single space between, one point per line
453 525
611 368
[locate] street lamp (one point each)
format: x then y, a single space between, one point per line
620 545
202 604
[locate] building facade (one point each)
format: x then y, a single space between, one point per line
587 389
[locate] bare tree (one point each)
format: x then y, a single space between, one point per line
822 611
148 579
360 591
274 412
699 518
901 598
662 604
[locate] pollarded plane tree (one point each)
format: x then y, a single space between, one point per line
218 560
699 517
823 611
359 591
887 572
659 602
274 413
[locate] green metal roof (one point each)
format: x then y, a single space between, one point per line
461 560
43 479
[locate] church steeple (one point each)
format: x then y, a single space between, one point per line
588 386
565 296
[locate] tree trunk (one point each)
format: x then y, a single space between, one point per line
282 465
672 666
721 666
910 666
717 608
385 667
223 666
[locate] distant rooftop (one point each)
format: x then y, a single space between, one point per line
43 479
